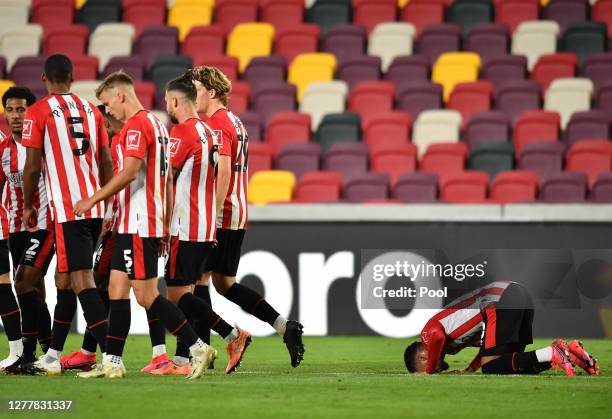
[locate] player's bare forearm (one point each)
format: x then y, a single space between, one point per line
475 364
31 175
170 197
223 178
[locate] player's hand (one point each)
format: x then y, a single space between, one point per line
30 219
164 247
83 206
107 224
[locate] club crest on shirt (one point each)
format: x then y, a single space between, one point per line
27 128
173 146
132 140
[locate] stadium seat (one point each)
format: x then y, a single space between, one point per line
203 42
299 158
338 128
348 160
253 125
93 14
111 40
534 39
602 12
444 159
503 69
366 187
3 71
393 160
438 39
50 15
67 40
469 13
84 67
492 157
370 13
388 129
145 91
391 40
321 98
329 14
86 89
20 41
435 126
591 157
262 70
601 192
287 128
310 67
565 11
541 157
166 68
155 41
514 12
227 65
272 98
407 70
471 98
554 66
345 42
422 13
318 187
485 127
598 68
26 72
516 97
514 187
13 13
584 39
589 125
297 40
488 40
186 15
567 96
371 98
468 187
604 98
250 40
357 70
269 186
416 188
534 126
563 187
4 86
143 13
230 13
283 14
260 158
452 68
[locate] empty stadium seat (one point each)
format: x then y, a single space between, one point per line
260 158
492 157
203 42
249 40
86 89
93 14
338 128
435 126
604 98
186 15
485 127
230 13
262 70
346 159
366 187
591 157
299 158
567 96
602 12
370 13
271 186
166 68
584 39
554 66
283 14
417 187
321 98
111 40
356 70
453 68
84 67
329 14
393 160
589 125
387 129
26 72
534 39
4 86
143 13
227 65
563 187
565 11
287 128
438 39
514 187
52 14
345 41
391 40
67 40
13 13
422 13
541 157
514 12
272 98
20 41
310 67
468 187
516 97
488 40
407 70
469 13
536 126
503 69
317 187
372 98
444 159
471 98
598 68
253 124
145 91
297 40
601 192
155 41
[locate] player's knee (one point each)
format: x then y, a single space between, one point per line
204 279
223 283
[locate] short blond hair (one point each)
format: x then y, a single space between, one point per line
113 80
213 79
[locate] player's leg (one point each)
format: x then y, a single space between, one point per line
157 334
9 311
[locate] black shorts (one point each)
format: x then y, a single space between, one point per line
136 256
508 323
225 257
32 249
75 242
104 253
5 263
186 262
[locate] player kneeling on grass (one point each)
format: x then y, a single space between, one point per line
498 318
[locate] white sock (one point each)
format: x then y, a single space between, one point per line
52 355
86 352
232 336
280 325
180 360
198 346
544 354
16 348
159 350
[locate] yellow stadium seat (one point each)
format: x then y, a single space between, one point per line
311 67
250 40
402 3
186 15
545 2
4 86
455 67
210 3
79 3
271 186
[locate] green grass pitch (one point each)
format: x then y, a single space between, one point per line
341 377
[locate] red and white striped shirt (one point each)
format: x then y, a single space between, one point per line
12 157
142 203
4 224
229 128
193 150
460 323
71 132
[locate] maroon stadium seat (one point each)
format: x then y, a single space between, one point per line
260 158
444 159
239 97
229 13
565 11
253 125
393 160
68 40
143 13
422 13
554 66
591 157
318 187
390 128
371 98
598 68
468 187
503 69
203 42
84 68
145 90
27 70
346 159
514 187
489 40
3 68
370 13
299 158
513 12
272 98
588 125
283 14
419 96
563 187
516 97
471 98
366 187
417 187
487 126
297 40
602 189
155 41
535 126
262 70
345 42
356 70
602 12
437 39
408 69
133 65
541 157
287 128
604 98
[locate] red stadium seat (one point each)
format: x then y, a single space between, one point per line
465 188
370 13
591 157
227 65
145 90
300 39
53 14
287 128
444 159
514 186
203 42
471 98
602 12
84 68
239 97
260 157
316 187
422 13
554 66
143 13
390 128
229 13
156 2
283 14
513 12
68 40
371 98
536 126
394 160
4 125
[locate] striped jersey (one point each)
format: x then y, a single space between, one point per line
4 216
230 129
141 204
71 132
12 157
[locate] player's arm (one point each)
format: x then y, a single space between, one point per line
172 173
31 176
475 364
224 167
435 349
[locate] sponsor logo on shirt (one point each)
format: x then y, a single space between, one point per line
133 140
218 138
27 128
173 146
